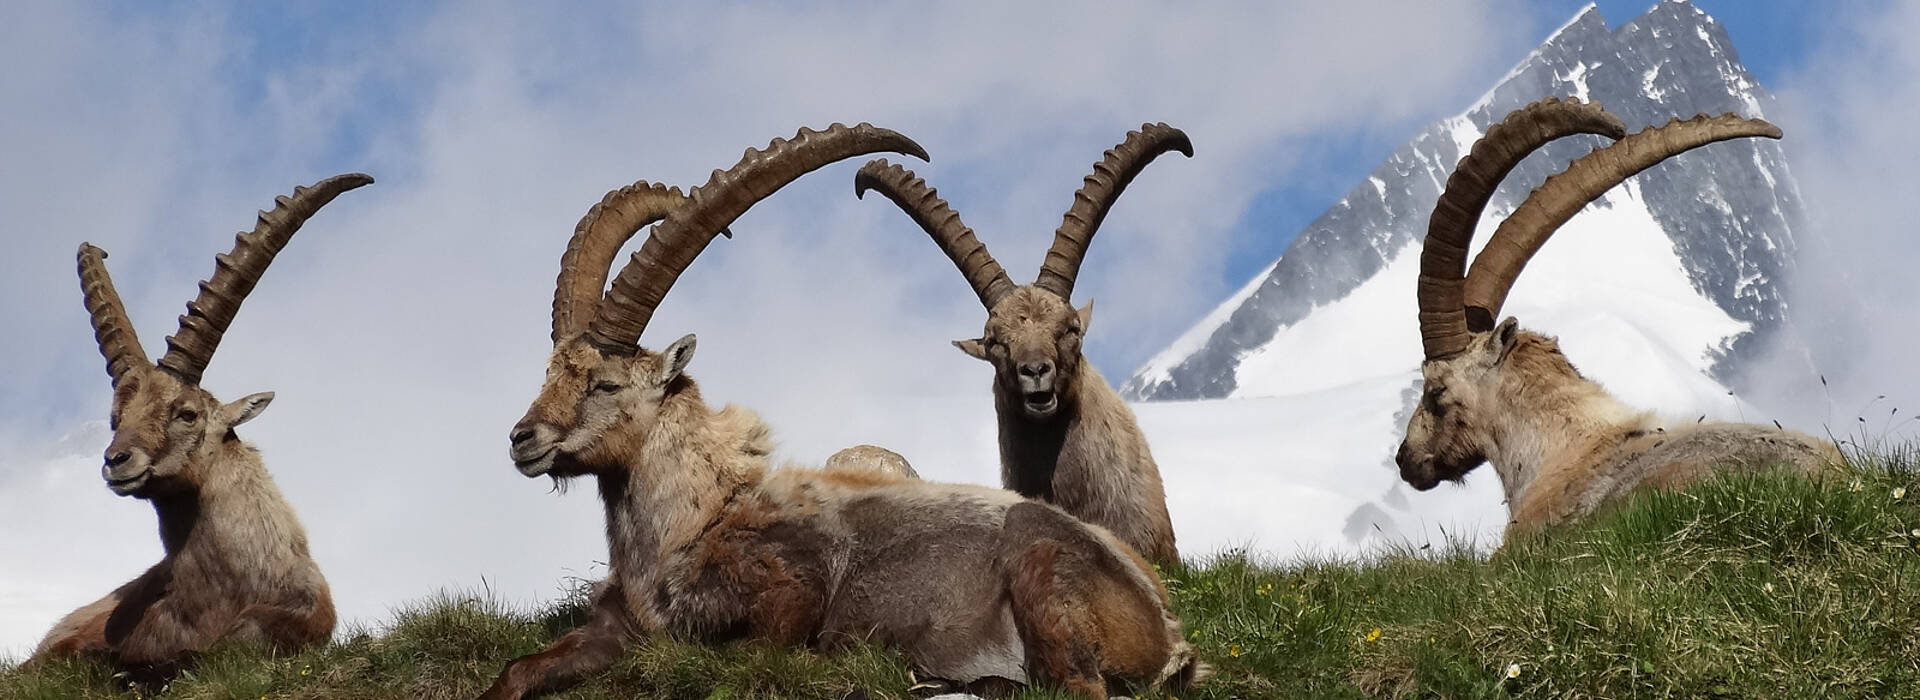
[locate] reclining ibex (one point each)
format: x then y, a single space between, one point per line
705 542
1562 446
1065 435
236 567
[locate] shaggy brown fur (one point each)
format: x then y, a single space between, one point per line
705 542
237 568
871 458
1562 446
1066 436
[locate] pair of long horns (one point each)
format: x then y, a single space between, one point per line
1062 265
209 314
1455 301
614 321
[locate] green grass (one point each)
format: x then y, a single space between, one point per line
1752 586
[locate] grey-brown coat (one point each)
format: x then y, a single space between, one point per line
237 568
1494 393
705 542
1065 435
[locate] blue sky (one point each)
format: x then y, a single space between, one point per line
1773 36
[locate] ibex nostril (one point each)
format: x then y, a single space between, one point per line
119 458
1035 370
521 435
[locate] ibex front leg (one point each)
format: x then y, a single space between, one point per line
587 650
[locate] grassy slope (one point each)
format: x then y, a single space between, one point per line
1745 587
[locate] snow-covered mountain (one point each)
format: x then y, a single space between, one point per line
1724 214
1659 290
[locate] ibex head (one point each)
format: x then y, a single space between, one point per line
1477 373
1033 341
164 424
603 392
1033 333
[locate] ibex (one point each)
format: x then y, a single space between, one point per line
1066 437
706 543
236 569
1562 446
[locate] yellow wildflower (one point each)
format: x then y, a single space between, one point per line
1899 492
1233 650
1373 635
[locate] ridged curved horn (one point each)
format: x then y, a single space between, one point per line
596 240
924 205
1090 204
235 273
111 327
1443 257
1564 194
675 242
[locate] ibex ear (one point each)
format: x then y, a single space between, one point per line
245 408
1504 337
674 359
976 347
1086 316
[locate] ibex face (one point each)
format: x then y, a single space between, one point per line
1033 340
1033 333
603 391
1449 432
595 408
165 429
163 422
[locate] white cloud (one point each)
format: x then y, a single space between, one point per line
1848 119
406 328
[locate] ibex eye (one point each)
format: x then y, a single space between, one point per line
605 387
188 416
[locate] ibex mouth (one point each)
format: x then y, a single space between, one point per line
129 485
1042 401
1423 482
537 464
